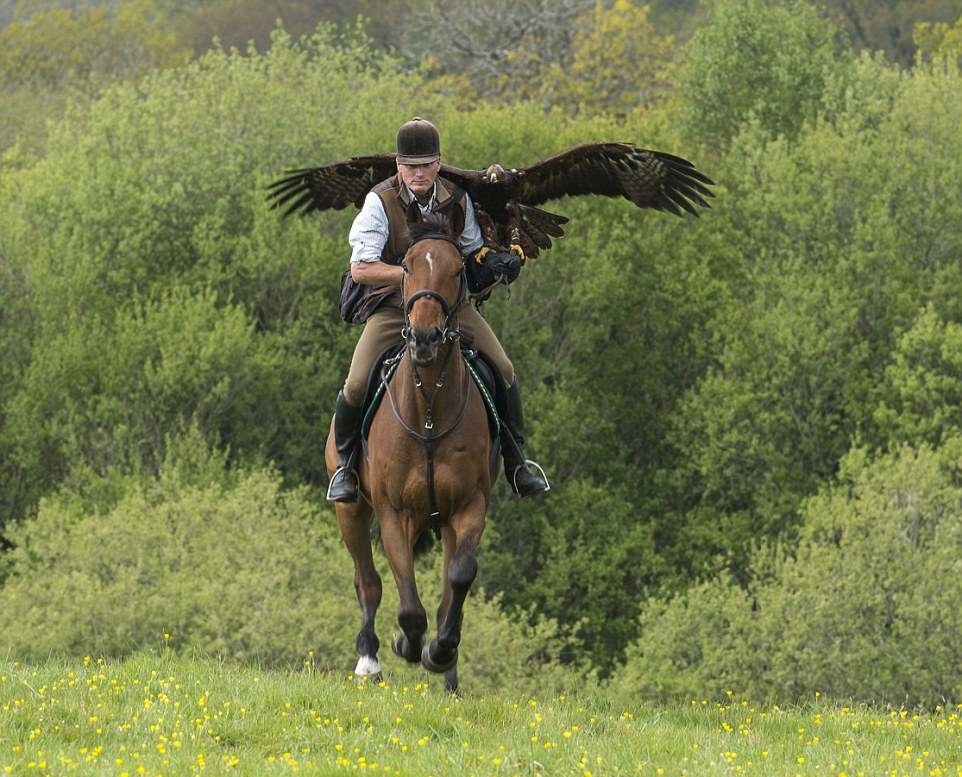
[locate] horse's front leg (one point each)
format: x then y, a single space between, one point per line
460 570
397 538
355 523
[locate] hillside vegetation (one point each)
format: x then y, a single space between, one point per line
751 420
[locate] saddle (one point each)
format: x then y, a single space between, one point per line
479 366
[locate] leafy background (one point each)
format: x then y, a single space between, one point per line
751 421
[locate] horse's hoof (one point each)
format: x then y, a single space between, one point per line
368 669
402 649
377 679
433 666
451 682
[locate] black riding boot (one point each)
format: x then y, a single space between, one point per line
347 435
521 473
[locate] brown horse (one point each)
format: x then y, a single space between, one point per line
429 464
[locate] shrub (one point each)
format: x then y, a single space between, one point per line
203 559
867 608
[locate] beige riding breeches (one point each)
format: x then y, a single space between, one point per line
383 329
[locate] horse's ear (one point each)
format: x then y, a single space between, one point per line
413 213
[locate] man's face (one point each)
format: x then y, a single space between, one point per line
420 178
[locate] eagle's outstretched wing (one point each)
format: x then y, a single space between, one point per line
331 187
507 200
649 179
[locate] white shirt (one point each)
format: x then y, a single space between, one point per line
369 232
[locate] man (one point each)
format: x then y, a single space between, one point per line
379 238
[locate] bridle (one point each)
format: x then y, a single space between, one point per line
448 336
449 310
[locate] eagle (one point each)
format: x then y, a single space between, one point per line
506 201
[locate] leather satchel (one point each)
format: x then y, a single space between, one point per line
358 301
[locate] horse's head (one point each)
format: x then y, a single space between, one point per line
433 287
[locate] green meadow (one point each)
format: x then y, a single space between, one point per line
156 714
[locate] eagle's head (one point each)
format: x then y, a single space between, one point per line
493 174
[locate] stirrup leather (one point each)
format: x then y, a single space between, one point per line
529 463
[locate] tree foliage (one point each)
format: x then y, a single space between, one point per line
731 410
937 40
889 25
87 45
756 60
617 62
144 246
864 608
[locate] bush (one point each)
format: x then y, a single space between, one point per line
225 563
866 609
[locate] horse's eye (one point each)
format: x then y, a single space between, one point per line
404 266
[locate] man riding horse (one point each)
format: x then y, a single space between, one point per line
426 235
379 238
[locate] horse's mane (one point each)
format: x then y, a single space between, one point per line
433 225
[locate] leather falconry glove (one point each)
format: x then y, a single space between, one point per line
500 265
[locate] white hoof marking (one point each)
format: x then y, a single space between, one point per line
367 666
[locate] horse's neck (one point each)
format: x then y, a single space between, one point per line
445 401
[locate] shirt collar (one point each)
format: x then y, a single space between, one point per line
432 200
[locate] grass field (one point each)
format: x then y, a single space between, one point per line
157 714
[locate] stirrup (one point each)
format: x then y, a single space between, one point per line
528 464
357 484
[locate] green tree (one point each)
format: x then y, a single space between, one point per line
91 45
936 40
143 246
56 57
825 275
617 62
889 25
755 60
923 394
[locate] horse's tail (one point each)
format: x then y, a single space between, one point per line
423 543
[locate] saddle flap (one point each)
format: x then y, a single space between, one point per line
383 369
